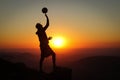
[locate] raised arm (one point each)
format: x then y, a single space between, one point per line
47 23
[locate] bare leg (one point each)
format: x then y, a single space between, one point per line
54 60
41 63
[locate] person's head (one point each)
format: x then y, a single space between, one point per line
39 26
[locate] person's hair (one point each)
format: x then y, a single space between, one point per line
38 26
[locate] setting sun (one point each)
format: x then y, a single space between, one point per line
58 42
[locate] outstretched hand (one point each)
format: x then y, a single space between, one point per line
49 38
45 14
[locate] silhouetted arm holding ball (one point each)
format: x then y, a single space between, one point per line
47 23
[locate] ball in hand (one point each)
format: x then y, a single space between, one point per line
44 10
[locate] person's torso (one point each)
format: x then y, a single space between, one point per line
42 37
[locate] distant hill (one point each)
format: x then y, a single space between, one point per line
29 59
97 68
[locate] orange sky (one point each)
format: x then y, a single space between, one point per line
81 23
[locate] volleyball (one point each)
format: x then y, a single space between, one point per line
44 10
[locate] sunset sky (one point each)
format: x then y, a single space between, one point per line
82 23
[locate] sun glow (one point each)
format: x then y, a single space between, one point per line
57 42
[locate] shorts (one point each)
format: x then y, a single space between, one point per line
46 51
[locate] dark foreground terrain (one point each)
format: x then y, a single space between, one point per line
18 71
90 68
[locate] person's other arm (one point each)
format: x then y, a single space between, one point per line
49 38
47 23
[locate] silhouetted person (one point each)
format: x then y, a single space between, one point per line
44 46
